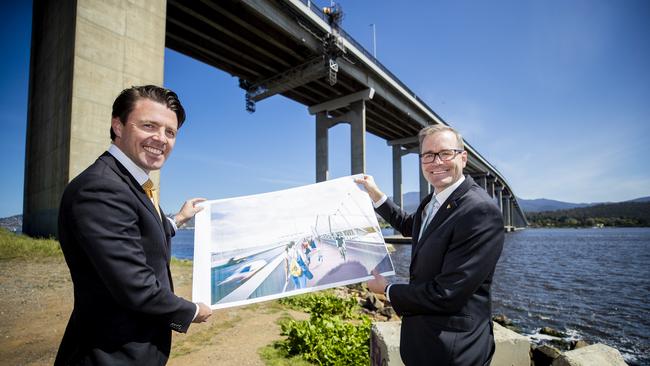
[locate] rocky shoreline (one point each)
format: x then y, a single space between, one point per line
543 352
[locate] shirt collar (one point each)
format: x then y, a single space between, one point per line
138 173
445 193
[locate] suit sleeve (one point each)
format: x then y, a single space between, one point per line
107 221
471 257
396 217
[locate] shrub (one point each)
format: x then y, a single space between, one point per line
327 338
323 304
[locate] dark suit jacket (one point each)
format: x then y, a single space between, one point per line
118 252
446 307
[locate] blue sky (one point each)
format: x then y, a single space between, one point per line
555 94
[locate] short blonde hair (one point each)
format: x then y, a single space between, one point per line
433 129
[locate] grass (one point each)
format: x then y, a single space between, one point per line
14 246
273 356
198 340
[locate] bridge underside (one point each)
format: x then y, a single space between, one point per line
85 52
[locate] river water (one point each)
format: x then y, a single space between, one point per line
593 284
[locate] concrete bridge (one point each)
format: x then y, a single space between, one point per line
84 52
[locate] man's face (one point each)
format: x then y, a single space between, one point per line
148 135
441 174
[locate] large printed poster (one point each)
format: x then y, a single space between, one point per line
266 246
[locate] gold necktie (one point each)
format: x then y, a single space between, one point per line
152 193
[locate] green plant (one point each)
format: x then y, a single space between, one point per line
328 340
323 304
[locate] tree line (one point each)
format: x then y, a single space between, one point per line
628 214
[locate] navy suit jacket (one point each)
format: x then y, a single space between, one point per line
446 307
118 251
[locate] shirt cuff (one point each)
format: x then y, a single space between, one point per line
196 312
380 202
388 291
173 223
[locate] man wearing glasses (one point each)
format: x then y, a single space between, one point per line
457 236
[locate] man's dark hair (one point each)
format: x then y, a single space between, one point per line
125 102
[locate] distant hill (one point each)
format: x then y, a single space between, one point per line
629 213
641 199
543 204
12 223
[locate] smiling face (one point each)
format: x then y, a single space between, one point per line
442 174
148 135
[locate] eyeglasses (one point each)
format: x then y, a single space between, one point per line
444 155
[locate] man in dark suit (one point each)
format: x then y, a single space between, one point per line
457 236
116 242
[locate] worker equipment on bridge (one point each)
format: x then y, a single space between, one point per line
324 65
334 15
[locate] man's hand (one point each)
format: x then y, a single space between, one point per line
369 184
377 284
204 313
188 211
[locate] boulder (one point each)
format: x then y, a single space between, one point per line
594 355
552 332
544 355
502 319
512 349
388 312
372 303
578 344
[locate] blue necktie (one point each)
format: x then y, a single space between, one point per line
432 208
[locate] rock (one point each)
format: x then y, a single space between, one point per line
578 344
593 355
544 355
562 344
552 332
502 319
512 349
381 297
388 312
372 303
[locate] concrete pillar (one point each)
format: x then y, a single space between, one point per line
506 210
499 195
490 186
322 147
425 188
481 180
357 119
398 198
84 53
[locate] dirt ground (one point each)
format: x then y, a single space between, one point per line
36 301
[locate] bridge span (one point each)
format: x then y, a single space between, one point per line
84 52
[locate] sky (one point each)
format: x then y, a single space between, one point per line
259 220
555 94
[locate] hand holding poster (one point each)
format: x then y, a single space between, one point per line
266 246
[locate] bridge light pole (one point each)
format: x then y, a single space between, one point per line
374 40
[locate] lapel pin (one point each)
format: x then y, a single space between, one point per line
448 206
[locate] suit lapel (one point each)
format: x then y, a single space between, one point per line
445 210
121 171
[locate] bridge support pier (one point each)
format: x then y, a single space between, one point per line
425 188
398 196
507 210
499 196
490 186
83 54
356 117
